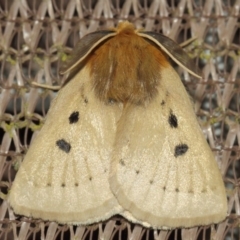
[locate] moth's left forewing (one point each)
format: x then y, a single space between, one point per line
64 176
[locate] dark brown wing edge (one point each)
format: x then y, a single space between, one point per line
174 51
83 48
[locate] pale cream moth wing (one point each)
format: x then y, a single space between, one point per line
162 170
173 50
64 176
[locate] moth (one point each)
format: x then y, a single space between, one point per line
121 137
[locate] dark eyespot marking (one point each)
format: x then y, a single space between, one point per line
172 120
49 184
76 184
85 100
90 178
122 162
163 102
74 117
164 188
151 181
177 190
63 145
137 171
180 149
63 185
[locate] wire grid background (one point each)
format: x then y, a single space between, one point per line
35 35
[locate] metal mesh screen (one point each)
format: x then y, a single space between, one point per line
35 35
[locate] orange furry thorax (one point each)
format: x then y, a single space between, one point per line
126 67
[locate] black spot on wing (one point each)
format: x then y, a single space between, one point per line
63 145
172 120
180 150
74 117
163 103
